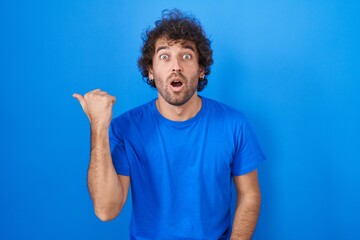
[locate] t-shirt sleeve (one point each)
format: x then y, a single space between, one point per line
118 153
248 153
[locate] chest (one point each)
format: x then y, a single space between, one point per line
196 150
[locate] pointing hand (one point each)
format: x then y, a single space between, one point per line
97 105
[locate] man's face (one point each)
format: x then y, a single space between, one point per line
176 70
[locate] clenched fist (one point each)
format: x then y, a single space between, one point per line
97 105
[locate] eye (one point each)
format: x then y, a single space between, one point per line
164 57
187 56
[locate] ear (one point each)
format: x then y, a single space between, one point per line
202 72
150 73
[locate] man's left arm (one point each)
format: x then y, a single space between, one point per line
248 200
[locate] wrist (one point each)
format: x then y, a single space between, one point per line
99 126
98 130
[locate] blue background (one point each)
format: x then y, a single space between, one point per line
291 66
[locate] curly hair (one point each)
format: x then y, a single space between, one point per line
174 25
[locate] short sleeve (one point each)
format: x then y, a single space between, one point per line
248 153
118 153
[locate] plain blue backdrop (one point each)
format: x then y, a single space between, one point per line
291 66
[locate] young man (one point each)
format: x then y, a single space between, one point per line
180 151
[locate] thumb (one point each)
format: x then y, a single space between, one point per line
80 98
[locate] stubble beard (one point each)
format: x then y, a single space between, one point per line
177 98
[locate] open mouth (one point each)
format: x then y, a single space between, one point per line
176 83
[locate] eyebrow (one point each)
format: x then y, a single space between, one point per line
185 46
188 46
161 48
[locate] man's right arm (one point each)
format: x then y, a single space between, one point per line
108 190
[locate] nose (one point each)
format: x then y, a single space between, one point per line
176 65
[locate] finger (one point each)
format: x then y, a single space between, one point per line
80 98
102 93
113 99
95 91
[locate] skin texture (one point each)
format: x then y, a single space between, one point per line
172 61
107 189
176 61
248 200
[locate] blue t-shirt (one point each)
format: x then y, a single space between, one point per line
181 172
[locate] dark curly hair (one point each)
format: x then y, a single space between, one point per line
175 25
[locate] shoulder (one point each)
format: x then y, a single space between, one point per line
222 110
135 115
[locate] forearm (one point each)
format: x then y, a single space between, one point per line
246 216
104 185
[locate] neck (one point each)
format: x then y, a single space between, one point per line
179 113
